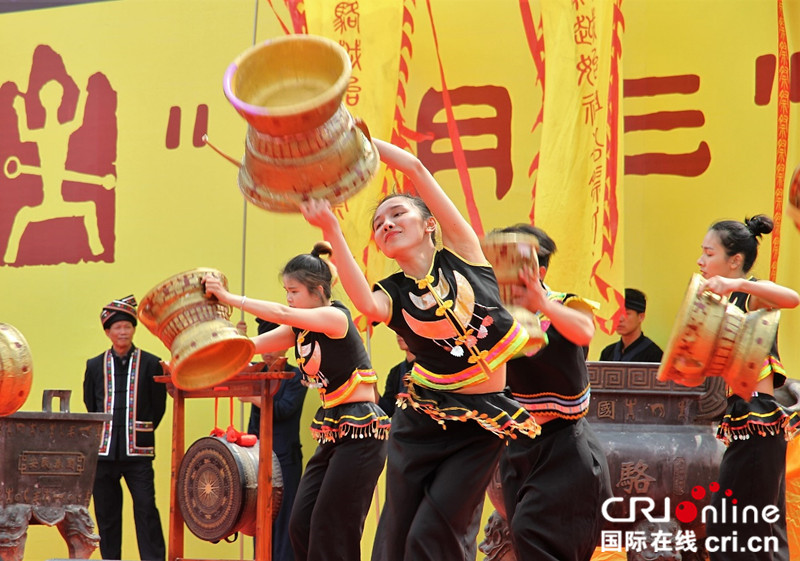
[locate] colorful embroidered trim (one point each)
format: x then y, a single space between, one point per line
502 422
340 394
335 425
741 425
511 343
133 426
556 405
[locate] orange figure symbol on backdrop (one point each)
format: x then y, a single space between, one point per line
52 212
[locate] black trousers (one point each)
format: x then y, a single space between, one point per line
554 487
755 472
333 499
138 476
281 544
435 481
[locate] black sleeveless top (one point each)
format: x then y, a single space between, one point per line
334 366
453 321
554 381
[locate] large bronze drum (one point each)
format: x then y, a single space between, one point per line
217 488
712 337
509 253
206 347
16 369
302 142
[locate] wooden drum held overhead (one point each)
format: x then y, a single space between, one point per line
16 369
206 347
301 141
509 253
712 337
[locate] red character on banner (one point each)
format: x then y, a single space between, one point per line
353 93
591 107
687 164
499 126
587 68
57 149
584 30
346 16
353 51
766 67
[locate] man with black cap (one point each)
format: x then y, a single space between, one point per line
633 345
121 381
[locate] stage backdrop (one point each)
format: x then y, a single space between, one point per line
623 128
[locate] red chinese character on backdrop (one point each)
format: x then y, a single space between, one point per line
57 148
591 107
587 68
353 94
498 126
346 16
354 52
686 164
765 78
584 29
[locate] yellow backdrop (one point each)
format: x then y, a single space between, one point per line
622 128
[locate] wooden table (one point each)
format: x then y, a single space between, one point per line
244 384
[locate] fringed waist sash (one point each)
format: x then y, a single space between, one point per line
362 419
761 416
495 412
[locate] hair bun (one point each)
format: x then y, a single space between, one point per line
322 248
324 251
759 224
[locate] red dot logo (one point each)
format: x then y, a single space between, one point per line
686 512
698 493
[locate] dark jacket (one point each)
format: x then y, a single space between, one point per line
641 350
115 385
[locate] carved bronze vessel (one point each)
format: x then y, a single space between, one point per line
661 450
47 474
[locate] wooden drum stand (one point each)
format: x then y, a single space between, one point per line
244 384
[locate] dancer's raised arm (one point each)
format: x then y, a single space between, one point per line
457 233
374 305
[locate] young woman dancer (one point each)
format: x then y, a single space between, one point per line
753 467
446 306
336 490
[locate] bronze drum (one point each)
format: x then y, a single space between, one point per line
508 253
206 347
301 141
217 488
712 337
16 369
